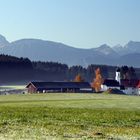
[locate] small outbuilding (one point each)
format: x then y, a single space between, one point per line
44 87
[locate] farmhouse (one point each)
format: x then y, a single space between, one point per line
42 87
131 86
128 86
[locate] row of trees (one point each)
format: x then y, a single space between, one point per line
127 73
11 62
70 72
96 82
22 68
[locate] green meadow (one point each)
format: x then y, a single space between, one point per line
69 116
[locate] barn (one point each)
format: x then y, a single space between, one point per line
42 87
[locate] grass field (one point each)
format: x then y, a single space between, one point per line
69 116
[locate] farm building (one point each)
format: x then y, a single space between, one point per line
138 88
42 87
110 83
131 86
128 86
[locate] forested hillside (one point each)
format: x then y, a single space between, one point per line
14 69
22 70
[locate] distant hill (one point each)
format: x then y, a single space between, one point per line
3 41
41 50
14 69
132 59
130 47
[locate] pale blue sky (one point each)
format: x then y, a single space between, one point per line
79 23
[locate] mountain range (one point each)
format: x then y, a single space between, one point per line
42 50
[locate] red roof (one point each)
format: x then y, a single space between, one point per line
130 83
138 85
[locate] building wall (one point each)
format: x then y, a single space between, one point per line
32 89
130 91
105 88
137 91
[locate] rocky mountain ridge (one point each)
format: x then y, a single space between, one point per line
42 50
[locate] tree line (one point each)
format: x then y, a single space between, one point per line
22 69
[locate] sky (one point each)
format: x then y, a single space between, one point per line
78 23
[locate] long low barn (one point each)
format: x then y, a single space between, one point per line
42 87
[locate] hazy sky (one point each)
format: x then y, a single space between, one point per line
79 23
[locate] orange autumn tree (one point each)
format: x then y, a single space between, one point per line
96 84
78 78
